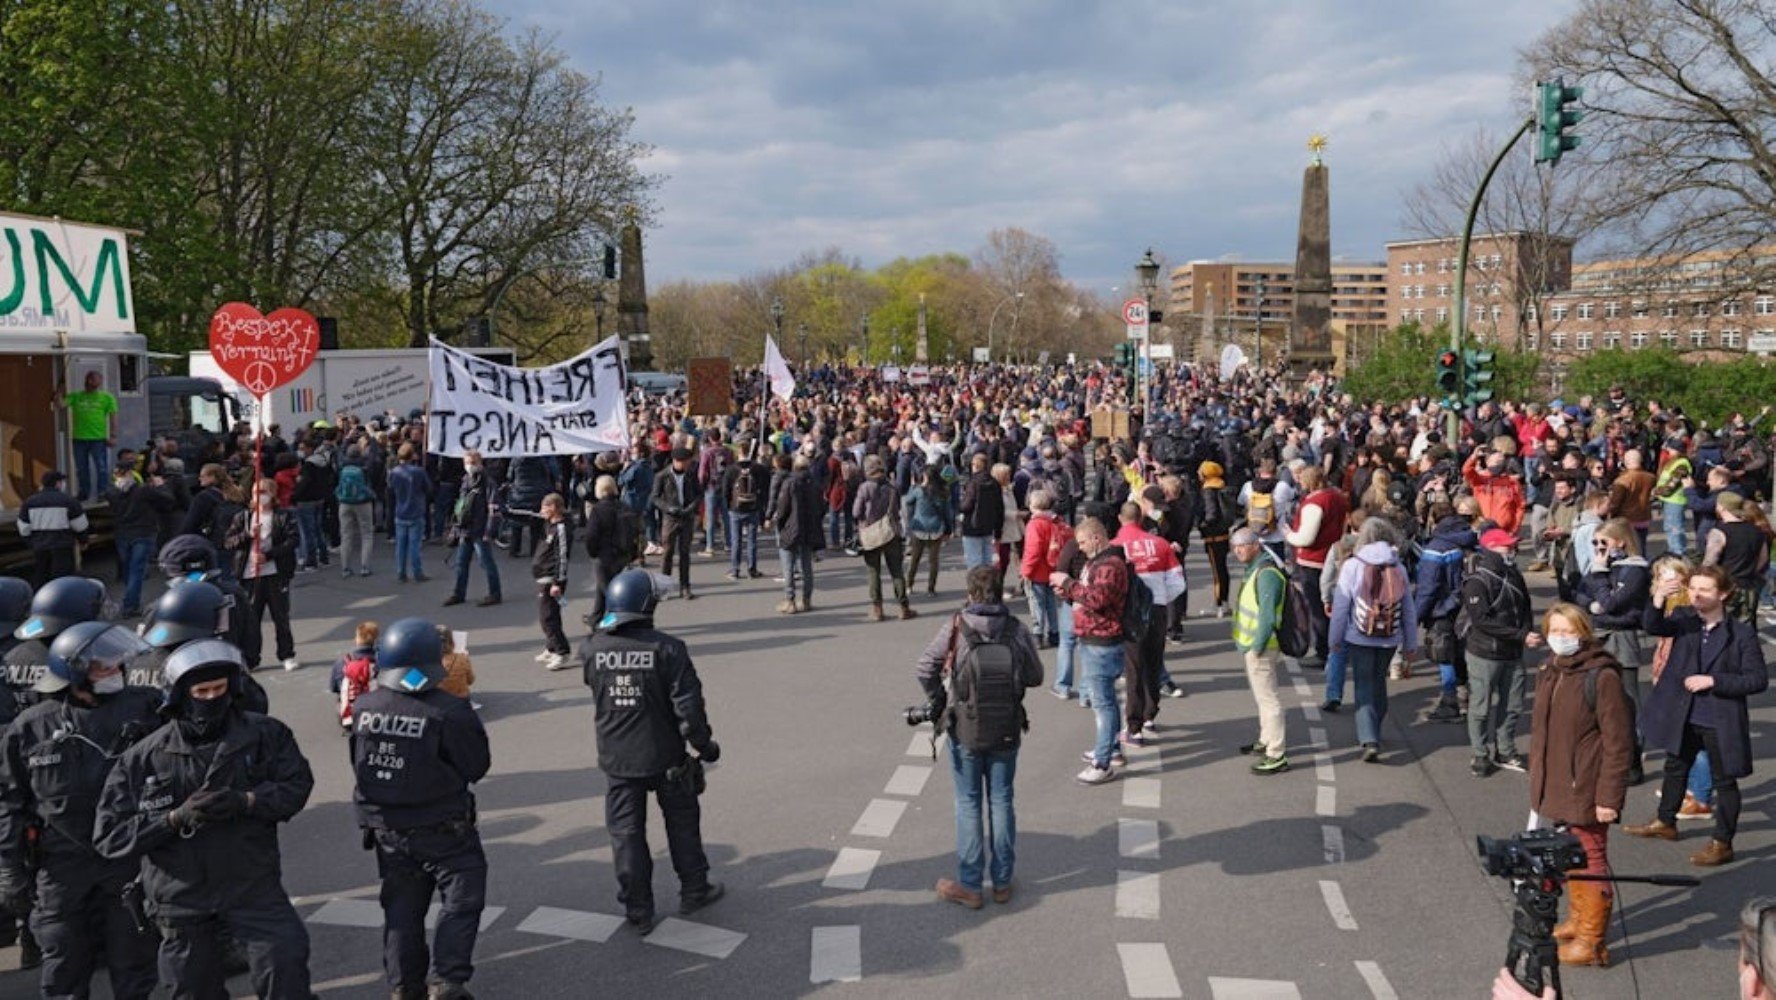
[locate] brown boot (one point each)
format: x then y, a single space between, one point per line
1658 830
906 611
1718 852
1590 914
875 613
787 607
951 891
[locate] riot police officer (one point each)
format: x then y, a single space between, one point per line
15 607
649 704
61 602
189 611
415 750
192 559
199 801
53 764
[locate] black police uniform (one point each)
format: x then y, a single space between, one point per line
227 872
414 757
26 663
649 703
150 668
10 705
53 764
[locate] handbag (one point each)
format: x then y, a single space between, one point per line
876 534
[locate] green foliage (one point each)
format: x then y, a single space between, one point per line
1704 390
1403 365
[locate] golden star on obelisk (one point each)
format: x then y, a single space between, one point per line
1317 144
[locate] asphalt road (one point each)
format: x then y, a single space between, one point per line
830 822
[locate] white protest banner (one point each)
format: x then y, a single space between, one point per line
570 408
64 276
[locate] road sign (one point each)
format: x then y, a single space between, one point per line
1161 352
1134 314
982 355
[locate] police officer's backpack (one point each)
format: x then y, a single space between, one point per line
986 699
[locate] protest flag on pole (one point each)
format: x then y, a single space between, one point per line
782 381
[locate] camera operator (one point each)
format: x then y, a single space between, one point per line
988 658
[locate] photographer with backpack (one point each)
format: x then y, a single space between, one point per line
1494 624
974 674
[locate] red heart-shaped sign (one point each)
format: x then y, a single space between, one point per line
263 352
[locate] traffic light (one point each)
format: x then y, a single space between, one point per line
1552 120
1477 375
610 262
1449 374
1125 355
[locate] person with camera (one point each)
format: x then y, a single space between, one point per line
53 764
1581 742
470 527
974 674
198 803
415 750
1716 662
648 704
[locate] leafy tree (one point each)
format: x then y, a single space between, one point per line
1404 366
1707 391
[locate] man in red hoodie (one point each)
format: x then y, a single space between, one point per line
1499 493
1151 558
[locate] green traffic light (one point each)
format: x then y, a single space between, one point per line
1553 119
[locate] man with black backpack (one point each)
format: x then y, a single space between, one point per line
1495 624
743 488
974 674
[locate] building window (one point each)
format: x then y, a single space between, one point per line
1730 339
1640 310
1669 311
1418 314
1421 267
1703 310
1529 312
1418 291
1612 341
1442 314
1698 338
1637 339
1765 305
1557 311
1557 340
1669 339
1497 260
1405 315
1584 340
1612 310
1585 310
1406 267
1730 307
1494 288
1497 311
1443 265
1533 340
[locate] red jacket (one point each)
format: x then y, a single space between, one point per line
1500 497
1098 599
1043 533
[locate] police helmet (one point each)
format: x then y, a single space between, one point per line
200 662
188 556
15 603
60 603
190 610
82 647
409 656
631 596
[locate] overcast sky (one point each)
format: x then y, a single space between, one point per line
906 127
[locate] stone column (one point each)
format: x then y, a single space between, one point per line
632 308
1310 335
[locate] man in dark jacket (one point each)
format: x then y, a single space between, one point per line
52 522
648 705
1438 598
614 535
198 802
676 496
1495 622
983 515
137 510
797 511
1716 664
743 486
472 522
415 750
314 484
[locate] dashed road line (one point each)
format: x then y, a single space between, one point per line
698 939
1325 800
851 869
1147 969
1378 984
908 780
576 925
1302 689
1323 766
1137 838
1310 710
1252 989
368 913
1332 843
921 743
1316 736
1137 895
879 818
1140 793
837 955
1335 905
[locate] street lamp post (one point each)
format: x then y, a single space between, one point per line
863 353
1258 324
1147 273
1017 297
803 330
777 317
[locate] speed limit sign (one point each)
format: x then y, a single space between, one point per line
1134 313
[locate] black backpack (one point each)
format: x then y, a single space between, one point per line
745 490
1294 627
1137 610
986 698
222 520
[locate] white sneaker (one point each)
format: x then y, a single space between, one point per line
558 661
545 656
1094 775
292 663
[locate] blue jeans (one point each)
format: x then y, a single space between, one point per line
1101 666
92 466
1042 610
136 554
839 528
797 560
1702 780
991 774
1335 667
743 528
1065 650
466 554
978 550
1369 674
715 514
409 540
1674 528
309 543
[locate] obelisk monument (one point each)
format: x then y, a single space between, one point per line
632 307
1310 335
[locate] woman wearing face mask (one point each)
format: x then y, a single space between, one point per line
268 561
1615 592
1580 748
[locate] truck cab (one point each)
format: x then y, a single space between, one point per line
198 413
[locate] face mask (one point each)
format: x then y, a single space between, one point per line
472 469
124 482
108 685
205 718
1563 645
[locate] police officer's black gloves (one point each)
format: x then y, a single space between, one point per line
184 816
221 806
710 752
15 891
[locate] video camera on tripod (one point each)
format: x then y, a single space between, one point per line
1539 862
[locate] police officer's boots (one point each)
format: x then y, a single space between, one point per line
30 952
408 993
448 991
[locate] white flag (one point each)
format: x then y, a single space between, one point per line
777 370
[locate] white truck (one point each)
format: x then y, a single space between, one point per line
361 383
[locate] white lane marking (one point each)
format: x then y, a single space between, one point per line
368 913
1141 758
1335 905
921 743
698 939
575 924
851 869
1378 983
1147 970
370 602
1137 838
1325 800
1310 710
1332 843
1317 736
879 818
1137 895
908 780
1323 767
1140 793
1302 689
837 955
1252 989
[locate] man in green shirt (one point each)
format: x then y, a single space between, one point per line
1256 614
92 413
